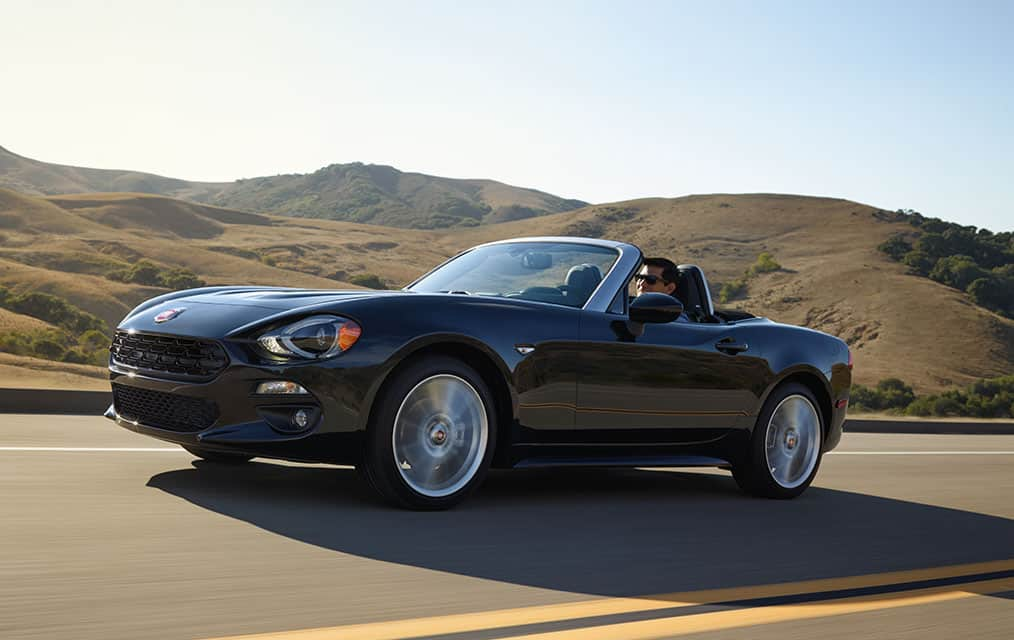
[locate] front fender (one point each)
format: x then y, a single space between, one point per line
434 342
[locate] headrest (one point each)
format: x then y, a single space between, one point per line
582 279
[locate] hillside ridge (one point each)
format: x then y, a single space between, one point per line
831 274
355 192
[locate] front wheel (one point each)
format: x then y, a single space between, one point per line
430 441
785 448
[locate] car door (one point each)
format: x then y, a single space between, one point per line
676 382
537 343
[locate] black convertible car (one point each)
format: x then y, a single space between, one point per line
520 353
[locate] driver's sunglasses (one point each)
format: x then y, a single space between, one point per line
650 279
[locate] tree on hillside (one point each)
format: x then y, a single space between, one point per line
956 271
896 247
995 292
976 261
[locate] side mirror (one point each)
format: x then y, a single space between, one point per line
655 307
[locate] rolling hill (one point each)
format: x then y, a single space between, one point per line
355 192
833 278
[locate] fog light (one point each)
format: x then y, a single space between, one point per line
290 419
280 387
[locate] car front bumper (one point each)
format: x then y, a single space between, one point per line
227 415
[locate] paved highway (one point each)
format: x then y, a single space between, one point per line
105 534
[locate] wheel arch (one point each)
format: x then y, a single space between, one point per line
813 380
484 360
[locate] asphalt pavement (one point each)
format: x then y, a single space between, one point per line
107 534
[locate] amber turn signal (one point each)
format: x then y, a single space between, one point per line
348 334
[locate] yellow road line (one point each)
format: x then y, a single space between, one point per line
737 618
486 620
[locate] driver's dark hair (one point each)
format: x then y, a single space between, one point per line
669 271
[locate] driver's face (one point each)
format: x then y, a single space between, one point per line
649 280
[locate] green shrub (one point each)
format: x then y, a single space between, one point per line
919 261
988 398
91 347
369 280
890 393
54 310
956 271
76 356
92 339
765 264
994 292
150 274
144 272
934 244
896 247
735 289
732 290
181 279
49 349
16 343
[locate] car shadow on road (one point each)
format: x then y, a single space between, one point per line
608 532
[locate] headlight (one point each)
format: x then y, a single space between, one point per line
314 338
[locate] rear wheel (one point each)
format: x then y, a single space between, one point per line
785 448
431 438
218 456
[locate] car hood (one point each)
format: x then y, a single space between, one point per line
215 312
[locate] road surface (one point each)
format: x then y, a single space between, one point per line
106 534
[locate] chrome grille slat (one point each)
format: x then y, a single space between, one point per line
169 356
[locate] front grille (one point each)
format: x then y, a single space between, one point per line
163 410
169 356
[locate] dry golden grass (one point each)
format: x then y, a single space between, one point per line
22 215
498 194
11 322
104 298
834 278
35 177
22 372
154 214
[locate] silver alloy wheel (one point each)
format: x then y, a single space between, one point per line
792 442
439 436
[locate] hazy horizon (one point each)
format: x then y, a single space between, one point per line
900 106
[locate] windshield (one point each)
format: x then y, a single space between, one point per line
563 273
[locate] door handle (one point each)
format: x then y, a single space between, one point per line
730 346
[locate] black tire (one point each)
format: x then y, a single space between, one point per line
218 456
379 466
753 473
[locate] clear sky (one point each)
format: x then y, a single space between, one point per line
894 104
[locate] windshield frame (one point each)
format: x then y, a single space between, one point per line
627 262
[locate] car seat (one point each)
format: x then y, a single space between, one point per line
581 281
693 293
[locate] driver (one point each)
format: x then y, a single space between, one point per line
658 275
